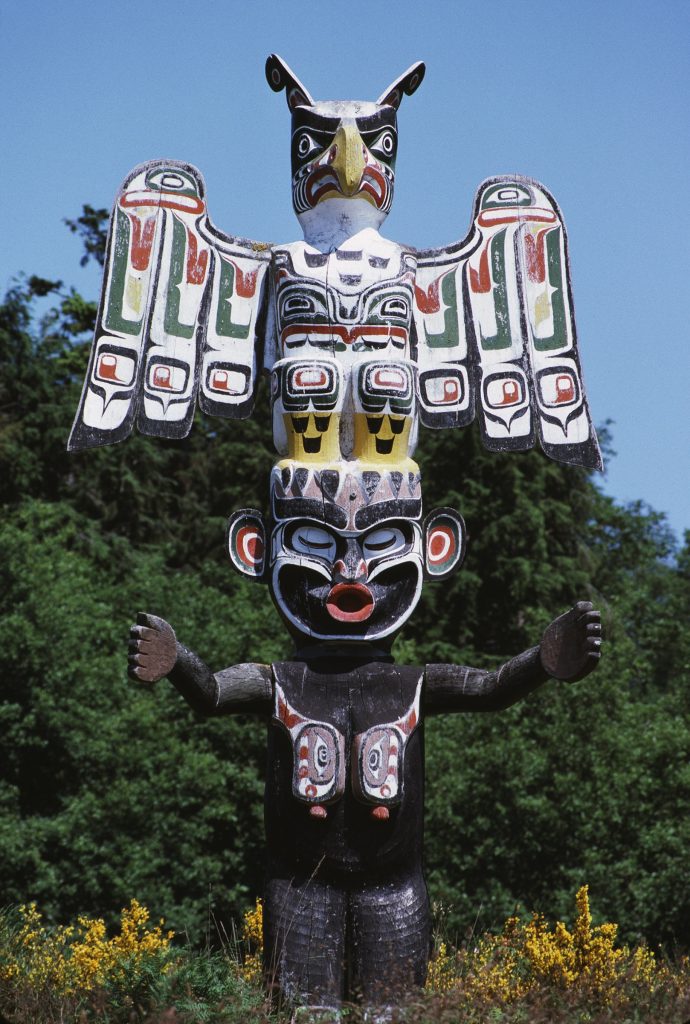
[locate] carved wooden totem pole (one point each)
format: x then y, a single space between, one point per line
363 339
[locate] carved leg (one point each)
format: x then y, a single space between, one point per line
304 940
390 938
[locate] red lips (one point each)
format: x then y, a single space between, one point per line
350 602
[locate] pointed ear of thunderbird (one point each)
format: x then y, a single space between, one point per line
444 543
247 542
408 83
280 76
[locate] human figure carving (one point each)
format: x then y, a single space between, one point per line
346 909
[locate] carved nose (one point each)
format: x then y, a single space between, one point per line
348 159
350 569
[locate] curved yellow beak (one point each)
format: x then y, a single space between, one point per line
349 161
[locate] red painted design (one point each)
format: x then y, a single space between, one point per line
107 368
441 546
197 262
142 241
408 723
512 393
390 377
375 185
380 813
565 388
535 252
161 377
289 718
317 811
515 215
245 281
350 602
360 572
310 790
220 381
304 751
345 334
480 282
167 200
308 377
429 301
451 390
249 545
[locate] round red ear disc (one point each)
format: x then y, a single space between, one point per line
441 545
317 811
250 546
380 813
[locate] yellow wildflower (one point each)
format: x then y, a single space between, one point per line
253 937
71 960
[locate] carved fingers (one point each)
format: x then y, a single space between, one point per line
152 648
571 645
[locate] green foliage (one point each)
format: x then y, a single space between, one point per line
110 790
92 227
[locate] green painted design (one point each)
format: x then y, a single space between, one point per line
524 198
224 324
171 320
159 172
449 337
557 281
114 318
502 338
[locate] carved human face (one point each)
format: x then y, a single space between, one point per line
354 585
343 569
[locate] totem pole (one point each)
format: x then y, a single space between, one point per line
363 339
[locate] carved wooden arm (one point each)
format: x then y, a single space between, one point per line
155 652
570 649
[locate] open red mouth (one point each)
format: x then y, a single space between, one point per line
350 602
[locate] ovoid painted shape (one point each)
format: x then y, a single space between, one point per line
362 340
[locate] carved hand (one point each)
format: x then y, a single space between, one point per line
152 648
571 645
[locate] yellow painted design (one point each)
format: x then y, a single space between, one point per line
542 308
133 294
350 161
312 437
383 439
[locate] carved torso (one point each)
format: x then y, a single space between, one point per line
348 745
342 351
357 298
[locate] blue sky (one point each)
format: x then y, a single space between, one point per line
590 98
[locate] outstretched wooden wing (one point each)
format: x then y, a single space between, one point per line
181 314
496 331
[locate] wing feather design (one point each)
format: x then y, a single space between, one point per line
181 314
496 331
